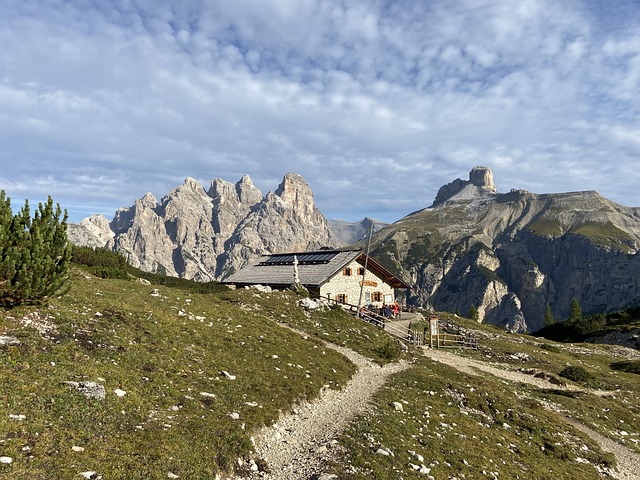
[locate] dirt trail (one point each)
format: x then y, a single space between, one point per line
628 461
300 443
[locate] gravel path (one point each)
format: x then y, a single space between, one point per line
300 443
628 461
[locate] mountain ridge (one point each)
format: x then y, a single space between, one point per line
509 255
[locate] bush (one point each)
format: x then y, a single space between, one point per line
101 262
576 374
390 350
550 348
34 253
629 366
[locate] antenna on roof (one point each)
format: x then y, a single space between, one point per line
364 270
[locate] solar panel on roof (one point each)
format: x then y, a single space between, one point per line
303 258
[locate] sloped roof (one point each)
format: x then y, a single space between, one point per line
314 268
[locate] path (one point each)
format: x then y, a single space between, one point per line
301 442
628 461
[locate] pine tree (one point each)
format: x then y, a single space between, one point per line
575 312
473 313
34 254
548 316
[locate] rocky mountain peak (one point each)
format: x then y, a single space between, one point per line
247 192
147 201
204 235
482 177
192 184
479 185
295 192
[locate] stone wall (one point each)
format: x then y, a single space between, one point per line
350 286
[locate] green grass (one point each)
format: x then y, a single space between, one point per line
164 352
332 325
607 235
630 366
619 411
465 427
546 227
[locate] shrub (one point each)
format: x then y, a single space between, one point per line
576 374
629 366
34 253
101 262
390 350
550 348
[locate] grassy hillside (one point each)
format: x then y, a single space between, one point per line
167 348
456 424
202 372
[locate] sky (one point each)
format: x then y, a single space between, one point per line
377 104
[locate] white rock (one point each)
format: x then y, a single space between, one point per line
120 393
17 417
398 406
89 474
234 416
382 451
6 340
228 375
6 460
172 475
76 448
89 389
207 394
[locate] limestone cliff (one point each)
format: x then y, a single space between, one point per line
352 232
285 220
204 235
509 255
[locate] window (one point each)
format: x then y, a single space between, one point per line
347 272
341 297
376 297
361 271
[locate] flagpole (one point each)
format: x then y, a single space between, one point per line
364 271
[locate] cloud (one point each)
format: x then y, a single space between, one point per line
376 103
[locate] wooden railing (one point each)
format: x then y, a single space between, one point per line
449 335
373 318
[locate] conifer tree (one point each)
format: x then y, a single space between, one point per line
575 312
548 316
34 254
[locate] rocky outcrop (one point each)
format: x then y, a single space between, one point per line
204 235
480 184
509 255
352 232
286 220
93 231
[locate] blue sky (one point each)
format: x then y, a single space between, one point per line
375 103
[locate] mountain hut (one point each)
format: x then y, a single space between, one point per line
333 274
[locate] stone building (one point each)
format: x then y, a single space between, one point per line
333 274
